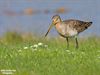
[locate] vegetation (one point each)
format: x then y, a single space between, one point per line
49 56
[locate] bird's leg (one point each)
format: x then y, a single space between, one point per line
67 42
76 40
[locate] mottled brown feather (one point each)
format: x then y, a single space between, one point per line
77 24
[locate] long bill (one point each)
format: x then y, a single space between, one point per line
49 29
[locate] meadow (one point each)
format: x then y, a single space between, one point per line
36 56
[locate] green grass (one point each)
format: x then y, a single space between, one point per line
55 59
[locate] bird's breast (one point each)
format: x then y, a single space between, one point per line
66 30
60 29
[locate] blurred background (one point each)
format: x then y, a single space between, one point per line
34 16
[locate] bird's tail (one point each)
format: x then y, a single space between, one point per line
84 26
87 24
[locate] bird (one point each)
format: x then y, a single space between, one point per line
68 28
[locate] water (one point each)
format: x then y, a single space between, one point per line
86 10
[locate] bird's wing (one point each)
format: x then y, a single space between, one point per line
78 25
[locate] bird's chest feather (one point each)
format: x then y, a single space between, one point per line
65 30
60 29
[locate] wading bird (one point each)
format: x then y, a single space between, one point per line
68 28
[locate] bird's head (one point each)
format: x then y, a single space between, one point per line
55 19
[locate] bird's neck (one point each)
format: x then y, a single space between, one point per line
57 25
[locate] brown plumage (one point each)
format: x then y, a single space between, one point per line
78 25
68 28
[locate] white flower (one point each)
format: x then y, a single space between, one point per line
67 50
45 46
31 46
25 47
35 46
40 44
